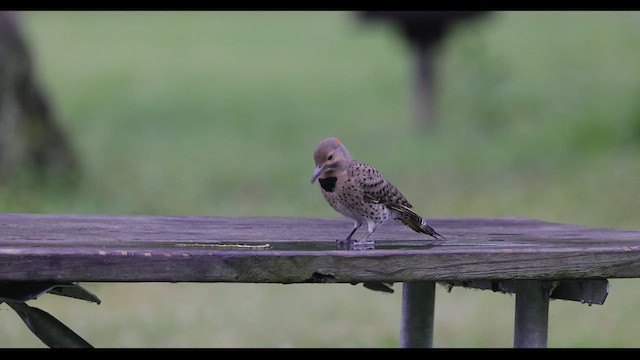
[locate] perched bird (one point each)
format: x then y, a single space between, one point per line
359 192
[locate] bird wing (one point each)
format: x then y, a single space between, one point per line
375 188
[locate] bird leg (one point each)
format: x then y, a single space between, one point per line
363 244
371 226
356 226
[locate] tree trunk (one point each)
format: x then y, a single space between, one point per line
29 135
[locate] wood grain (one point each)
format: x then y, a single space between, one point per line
106 248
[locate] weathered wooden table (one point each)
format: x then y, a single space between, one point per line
536 260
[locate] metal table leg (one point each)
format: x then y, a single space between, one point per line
418 300
532 314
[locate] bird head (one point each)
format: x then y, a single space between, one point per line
330 156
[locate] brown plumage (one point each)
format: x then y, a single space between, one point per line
359 192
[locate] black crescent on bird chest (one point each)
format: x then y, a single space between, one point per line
328 184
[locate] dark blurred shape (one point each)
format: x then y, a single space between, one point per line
424 30
29 135
51 331
379 286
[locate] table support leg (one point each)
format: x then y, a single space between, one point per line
418 300
532 314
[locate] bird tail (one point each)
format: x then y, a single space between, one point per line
414 221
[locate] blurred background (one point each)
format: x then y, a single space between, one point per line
218 113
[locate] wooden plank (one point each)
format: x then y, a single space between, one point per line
154 248
585 291
418 302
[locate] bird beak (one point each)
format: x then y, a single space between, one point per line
316 172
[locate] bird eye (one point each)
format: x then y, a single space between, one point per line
330 157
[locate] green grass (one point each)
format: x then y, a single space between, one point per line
181 113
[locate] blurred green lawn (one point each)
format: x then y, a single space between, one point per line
185 113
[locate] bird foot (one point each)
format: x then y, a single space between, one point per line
363 245
355 245
344 244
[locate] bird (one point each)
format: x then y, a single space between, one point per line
359 192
